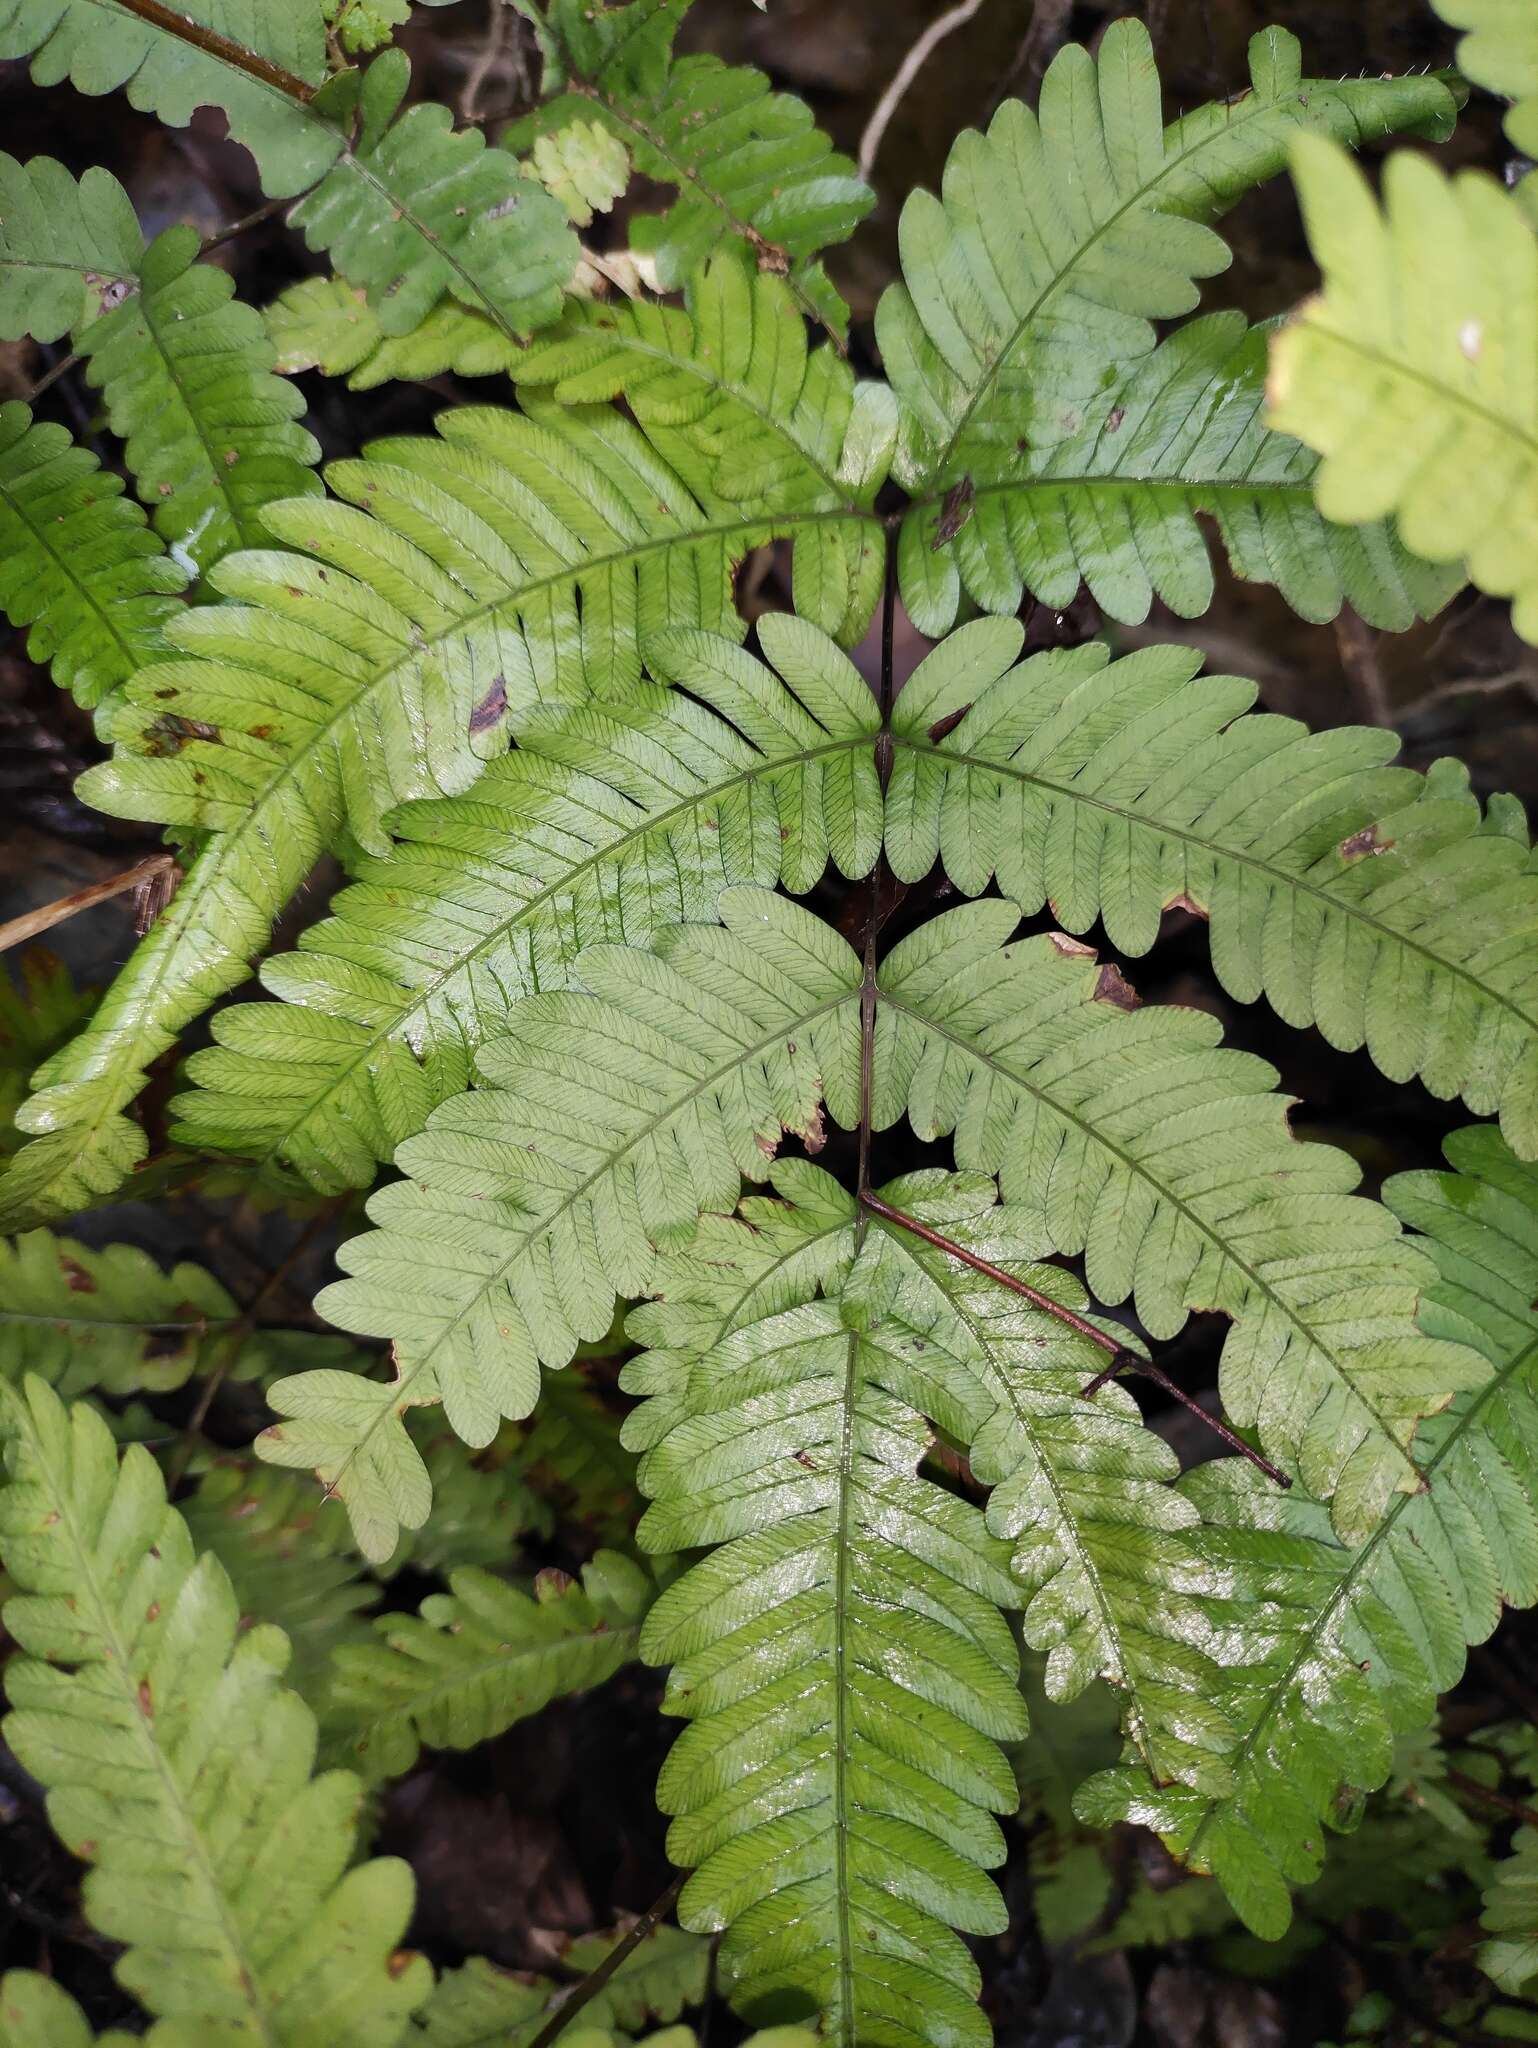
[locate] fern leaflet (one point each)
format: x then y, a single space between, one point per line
176 1763
1500 51
1511 1917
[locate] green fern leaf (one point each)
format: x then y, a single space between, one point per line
1060 238
571 1454
745 161
1511 1917
78 563
483 1504
68 251
352 1433
211 435
178 1766
608 822
111 1320
519 558
289 1558
414 211
846 1605
99 47
479 1658
1334 1650
37 1014
37 2013
1500 52
1381 905
1413 373
1115 505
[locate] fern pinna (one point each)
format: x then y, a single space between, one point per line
777 1185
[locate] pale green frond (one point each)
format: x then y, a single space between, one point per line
1333 1651
583 167
179 1767
351 1432
609 821
1511 1917
613 1115
1060 237
1117 505
1415 372
414 211
479 1658
98 47
519 557
68 251
1166 1160
842 1661
745 161
1384 906
290 1560
37 1014
1500 52
210 434
79 565
35 2012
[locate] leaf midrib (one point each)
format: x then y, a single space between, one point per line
1165 1195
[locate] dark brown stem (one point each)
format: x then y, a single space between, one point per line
1472 1789
48 377
212 44
253 219
595 1980
1121 1360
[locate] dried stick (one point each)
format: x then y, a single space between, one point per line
595 1980
156 868
907 71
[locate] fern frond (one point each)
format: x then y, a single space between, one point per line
608 822
177 1764
414 211
289 1558
79 565
1106 1118
479 1658
843 1663
1060 237
210 434
518 559
68 250
99 47
111 1320
745 161
37 2013
1414 373
1116 505
1500 52
693 1058
1383 906
1511 1917
1334 1650
570 1454
482 1504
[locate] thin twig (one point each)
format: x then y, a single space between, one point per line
491 49
1523 677
1049 24
595 1980
253 219
907 71
1472 1789
1122 1360
31 922
50 377
212 44
1358 650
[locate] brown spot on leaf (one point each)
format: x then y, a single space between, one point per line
80 1281
401 1960
1112 987
804 1458
1114 418
955 511
152 1612
1075 949
491 707
170 732
1186 903
146 1700
1362 845
815 1135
